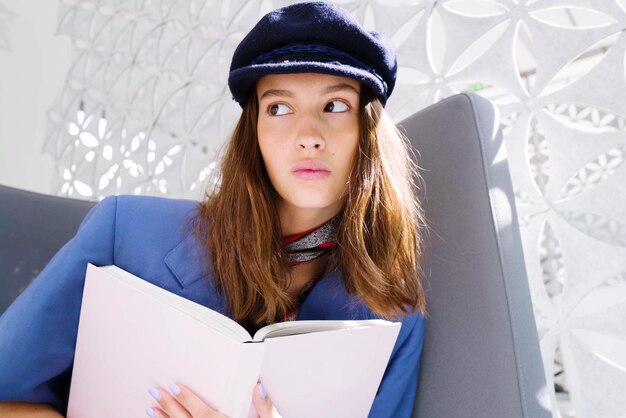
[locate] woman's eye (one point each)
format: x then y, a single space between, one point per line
278 109
336 106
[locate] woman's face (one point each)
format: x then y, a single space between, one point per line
308 131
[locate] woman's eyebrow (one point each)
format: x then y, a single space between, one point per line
340 87
330 89
276 92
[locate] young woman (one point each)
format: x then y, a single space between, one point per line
314 218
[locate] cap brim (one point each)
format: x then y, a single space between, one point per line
243 79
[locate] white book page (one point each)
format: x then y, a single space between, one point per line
219 322
129 341
331 374
282 329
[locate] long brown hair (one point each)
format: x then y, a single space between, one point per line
379 236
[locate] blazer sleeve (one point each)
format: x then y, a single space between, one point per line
38 331
396 394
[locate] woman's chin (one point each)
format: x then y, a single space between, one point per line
326 206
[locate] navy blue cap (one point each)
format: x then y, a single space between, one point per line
314 37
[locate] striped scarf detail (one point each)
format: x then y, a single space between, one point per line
309 245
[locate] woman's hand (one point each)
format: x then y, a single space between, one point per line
262 403
181 402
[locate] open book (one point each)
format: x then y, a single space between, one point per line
134 335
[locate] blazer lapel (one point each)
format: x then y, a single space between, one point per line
191 268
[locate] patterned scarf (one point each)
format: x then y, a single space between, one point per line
309 245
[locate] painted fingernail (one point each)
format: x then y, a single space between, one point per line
150 413
262 391
174 389
154 393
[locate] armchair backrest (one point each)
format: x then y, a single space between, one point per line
481 353
33 227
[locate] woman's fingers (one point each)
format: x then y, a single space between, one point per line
180 402
169 406
192 403
156 413
262 403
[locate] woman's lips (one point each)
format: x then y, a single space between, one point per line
311 174
310 170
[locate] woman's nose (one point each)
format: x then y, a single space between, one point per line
309 135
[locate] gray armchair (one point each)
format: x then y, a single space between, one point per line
481 354
33 227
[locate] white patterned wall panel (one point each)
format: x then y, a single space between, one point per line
146 108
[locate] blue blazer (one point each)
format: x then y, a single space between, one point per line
151 238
